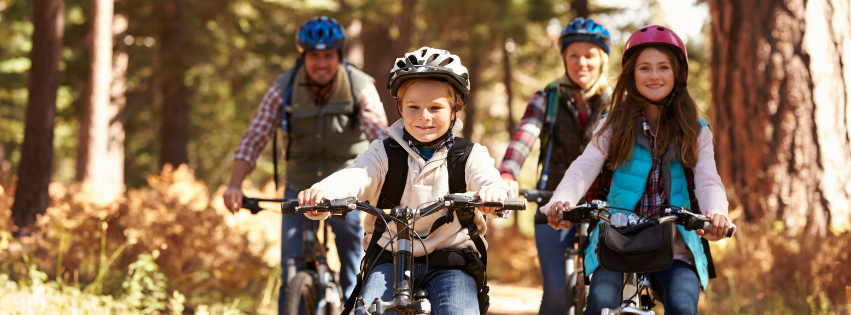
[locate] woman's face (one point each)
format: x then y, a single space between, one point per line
583 63
654 75
427 110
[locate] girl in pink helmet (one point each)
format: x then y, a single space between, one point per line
651 150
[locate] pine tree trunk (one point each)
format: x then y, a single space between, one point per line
781 110
377 62
102 133
580 8
175 132
31 196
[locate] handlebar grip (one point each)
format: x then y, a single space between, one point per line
541 218
514 204
708 226
288 207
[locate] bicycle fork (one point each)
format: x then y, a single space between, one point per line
404 301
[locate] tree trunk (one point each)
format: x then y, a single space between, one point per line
781 109
580 8
102 133
377 62
405 23
31 196
175 131
507 48
474 69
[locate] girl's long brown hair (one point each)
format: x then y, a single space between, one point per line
628 104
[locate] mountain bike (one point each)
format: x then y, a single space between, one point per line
407 297
638 297
575 288
316 288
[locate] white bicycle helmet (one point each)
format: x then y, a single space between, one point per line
430 63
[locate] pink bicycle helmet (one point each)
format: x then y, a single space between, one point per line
655 35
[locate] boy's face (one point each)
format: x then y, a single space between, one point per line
427 110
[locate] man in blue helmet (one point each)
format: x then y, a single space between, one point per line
330 112
563 117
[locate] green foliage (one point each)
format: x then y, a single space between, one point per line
145 286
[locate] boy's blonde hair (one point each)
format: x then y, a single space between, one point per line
451 92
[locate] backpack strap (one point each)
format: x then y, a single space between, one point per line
288 95
397 174
456 164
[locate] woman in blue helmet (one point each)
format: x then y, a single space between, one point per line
563 116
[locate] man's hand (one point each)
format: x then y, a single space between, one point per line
233 199
720 224
490 194
554 213
513 187
310 197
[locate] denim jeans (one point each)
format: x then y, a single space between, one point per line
450 291
552 244
677 286
348 235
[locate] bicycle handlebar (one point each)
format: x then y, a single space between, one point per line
681 216
454 201
536 195
253 204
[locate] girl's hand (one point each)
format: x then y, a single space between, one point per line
554 213
720 224
489 194
310 197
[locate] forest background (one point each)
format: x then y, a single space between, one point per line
98 98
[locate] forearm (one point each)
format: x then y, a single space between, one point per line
240 170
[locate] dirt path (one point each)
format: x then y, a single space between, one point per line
514 300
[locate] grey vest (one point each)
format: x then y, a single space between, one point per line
327 138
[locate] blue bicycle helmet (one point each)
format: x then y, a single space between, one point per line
320 33
584 30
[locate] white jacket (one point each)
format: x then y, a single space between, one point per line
427 181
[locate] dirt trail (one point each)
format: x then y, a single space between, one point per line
509 299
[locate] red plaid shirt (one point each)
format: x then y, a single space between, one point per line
654 189
267 118
524 137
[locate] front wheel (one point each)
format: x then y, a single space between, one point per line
301 293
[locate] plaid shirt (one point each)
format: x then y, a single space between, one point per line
654 189
268 117
524 137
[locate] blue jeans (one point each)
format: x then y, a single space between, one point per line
450 291
552 244
348 235
677 286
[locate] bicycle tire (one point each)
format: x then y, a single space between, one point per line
333 299
570 295
581 294
301 291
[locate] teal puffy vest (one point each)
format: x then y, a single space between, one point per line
628 184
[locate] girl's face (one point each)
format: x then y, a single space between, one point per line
654 75
427 110
583 63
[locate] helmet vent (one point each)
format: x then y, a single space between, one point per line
400 64
432 58
413 60
423 53
660 29
643 29
446 61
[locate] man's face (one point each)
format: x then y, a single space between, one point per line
321 65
